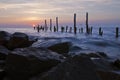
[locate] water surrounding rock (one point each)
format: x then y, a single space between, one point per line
19 40
76 68
24 62
4 37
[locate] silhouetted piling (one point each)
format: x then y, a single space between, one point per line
66 28
56 23
50 24
38 28
34 28
117 32
62 29
87 28
75 28
45 25
55 29
100 31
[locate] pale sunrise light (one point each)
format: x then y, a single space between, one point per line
36 11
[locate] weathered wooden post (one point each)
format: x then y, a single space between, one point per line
100 31
57 24
62 29
50 24
79 30
66 28
75 28
54 29
38 28
45 25
34 27
87 28
117 32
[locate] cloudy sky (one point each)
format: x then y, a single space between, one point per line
36 11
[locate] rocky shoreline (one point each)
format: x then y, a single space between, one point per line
23 57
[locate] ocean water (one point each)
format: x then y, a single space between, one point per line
106 43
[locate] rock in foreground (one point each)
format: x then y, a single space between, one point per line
76 68
19 40
24 62
4 37
3 52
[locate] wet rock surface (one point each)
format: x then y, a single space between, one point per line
3 52
4 37
25 62
19 40
55 46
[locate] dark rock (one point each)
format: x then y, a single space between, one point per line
3 52
94 55
4 37
18 40
32 39
46 43
102 64
61 48
116 63
102 54
54 45
76 68
108 75
2 74
25 62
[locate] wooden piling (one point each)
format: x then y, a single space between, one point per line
54 29
87 28
75 28
38 28
45 25
50 24
100 31
57 24
117 32
62 29
66 28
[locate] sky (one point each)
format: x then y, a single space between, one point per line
29 12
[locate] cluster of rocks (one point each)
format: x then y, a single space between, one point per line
20 59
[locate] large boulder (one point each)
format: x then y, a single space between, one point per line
4 37
25 62
76 68
19 40
61 48
54 45
3 52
